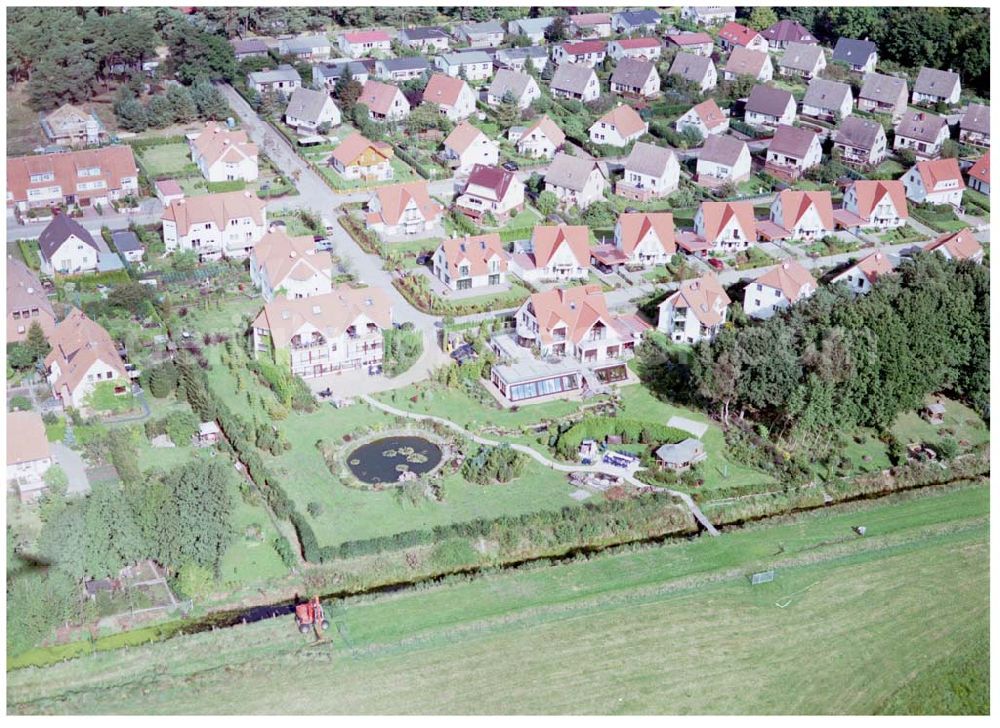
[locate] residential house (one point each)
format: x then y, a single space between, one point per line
723 159
332 332
308 110
28 454
785 32
290 266
471 262
637 79
86 177
27 302
220 225
403 210
701 44
957 246
282 80
921 132
425 39
792 151
861 276
576 181
935 182
518 59
804 60
829 100
244 48
979 174
698 70
645 239
523 89
167 190
128 246
71 126
695 312
734 35
709 14
706 118
83 356
769 107
590 25
650 172
975 126
386 103
720 226
357 44
491 190
869 203
858 55
223 154
326 75
453 96
618 127
882 94
681 456
310 48
575 81
777 289
357 158
936 87
745 62
466 147
481 35
474 65
542 139
642 49
554 253
400 70
860 141
585 52
635 21
798 215
532 28
67 247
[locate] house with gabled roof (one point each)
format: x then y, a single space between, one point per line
746 62
385 102
695 312
769 107
862 275
249 48
73 126
584 52
618 127
523 89
636 79
860 141
554 253
734 35
700 44
474 261
590 25
28 454
219 225
326 75
474 65
720 226
308 110
798 215
466 146
308 48
223 154
518 59
827 99
707 118
531 28
881 94
922 132
83 356
453 96
975 125
645 239
804 60
400 70
935 182
542 139
979 174
403 210
723 159
576 181
575 81
699 70
635 21
858 55
792 151
481 35
337 331
290 266
650 172
777 289
934 86
425 39
282 80
85 177
491 190
27 302
957 246
355 44
869 203
785 32
708 14
67 247
642 49
357 158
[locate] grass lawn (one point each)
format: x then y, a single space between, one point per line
57 431
890 167
224 316
172 159
839 245
752 257
973 199
939 217
960 423
103 399
884 623
904 234
401 173
756 185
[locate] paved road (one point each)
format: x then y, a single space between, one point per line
150 212
537 456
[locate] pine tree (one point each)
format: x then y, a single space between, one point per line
36 343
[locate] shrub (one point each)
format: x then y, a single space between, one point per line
315 509
285 551
453 554
19 402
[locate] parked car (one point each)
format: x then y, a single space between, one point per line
510 165
716 263
424 258
323 245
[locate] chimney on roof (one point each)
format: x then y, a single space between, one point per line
291 254
784 266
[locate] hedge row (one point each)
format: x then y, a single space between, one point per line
418 166
631 431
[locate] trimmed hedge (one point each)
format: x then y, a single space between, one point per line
631 431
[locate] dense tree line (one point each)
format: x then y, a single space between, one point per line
835 362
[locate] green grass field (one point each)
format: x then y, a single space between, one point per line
892 622
165 159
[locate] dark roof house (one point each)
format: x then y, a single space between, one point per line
855 53
58 231
787 31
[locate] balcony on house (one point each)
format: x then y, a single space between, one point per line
307 342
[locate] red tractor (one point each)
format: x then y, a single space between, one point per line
310 615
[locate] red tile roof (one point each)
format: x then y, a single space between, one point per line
935 172
115 163
717 215
636 225
791 278
796 203
870 192
981 169
443 89
736 34
478 250
961 245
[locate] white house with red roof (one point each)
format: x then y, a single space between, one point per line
701 44
471 262
979 174
403 210
85 177
935 182
957 246
586 52
541 140
466 146
869 203
721 226
385 102
83 356
28 454
706 118
646 239
491 190
695 312
862 275
554 253
291 266
618 127
591 25
223 154
799 215
220 225
453 96
356 44
777 289
644 49
733 35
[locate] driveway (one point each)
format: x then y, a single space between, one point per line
72 463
